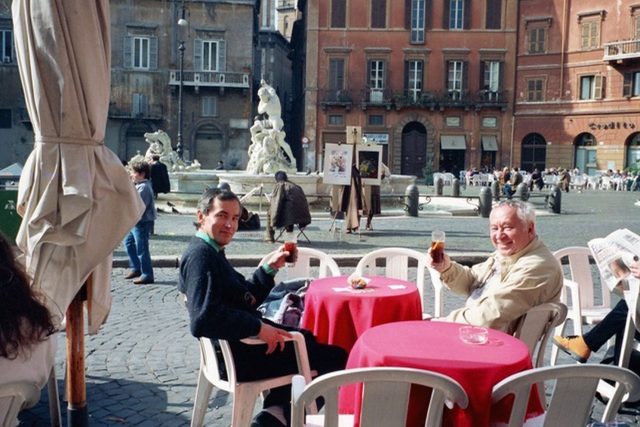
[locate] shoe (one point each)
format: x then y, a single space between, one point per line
132 274
265 419
574 346
143 281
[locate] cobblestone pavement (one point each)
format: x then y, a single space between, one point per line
141 368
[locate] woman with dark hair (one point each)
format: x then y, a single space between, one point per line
27 346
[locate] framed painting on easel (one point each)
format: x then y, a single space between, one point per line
337 164
369 161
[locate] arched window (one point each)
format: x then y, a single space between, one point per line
534 152
633 151
586 158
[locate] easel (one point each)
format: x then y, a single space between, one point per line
353 138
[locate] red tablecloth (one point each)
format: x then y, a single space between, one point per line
337 314
435 346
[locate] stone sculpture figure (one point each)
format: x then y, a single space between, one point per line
268 146
160 145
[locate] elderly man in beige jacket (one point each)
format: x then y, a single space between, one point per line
519 275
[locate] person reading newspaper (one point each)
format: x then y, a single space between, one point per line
620 268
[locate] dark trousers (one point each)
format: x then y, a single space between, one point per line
253 364
612 325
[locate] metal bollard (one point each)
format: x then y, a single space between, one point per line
411 200
522 192
484 206
495 189
554 199
439 185
456 187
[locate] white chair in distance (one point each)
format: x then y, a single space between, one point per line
385 397
578 293
572 398
327 266
397 266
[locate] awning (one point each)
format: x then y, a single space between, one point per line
452 142
489 143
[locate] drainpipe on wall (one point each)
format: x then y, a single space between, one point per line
515 85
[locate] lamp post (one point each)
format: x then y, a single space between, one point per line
182 22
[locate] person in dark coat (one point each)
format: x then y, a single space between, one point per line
289 205
159 176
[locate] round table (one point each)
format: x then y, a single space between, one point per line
435 346
338 314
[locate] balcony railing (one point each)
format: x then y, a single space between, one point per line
210 79
335 98
621 50
368 98
127 111
286 4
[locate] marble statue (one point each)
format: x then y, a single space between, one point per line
269 152
160 145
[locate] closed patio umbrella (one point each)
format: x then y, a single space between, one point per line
76 199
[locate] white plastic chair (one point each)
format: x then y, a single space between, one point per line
572 397
14 397
244 394
537 325
580 299
397 266
302 268
385 396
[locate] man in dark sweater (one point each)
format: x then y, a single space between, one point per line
223 304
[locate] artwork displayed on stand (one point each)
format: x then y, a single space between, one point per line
369 161
337 164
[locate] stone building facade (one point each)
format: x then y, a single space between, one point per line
431 81
578 85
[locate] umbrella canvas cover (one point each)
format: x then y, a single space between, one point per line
76 199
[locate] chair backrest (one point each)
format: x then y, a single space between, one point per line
13 397
536 326
572 397
580 272
397 266
302 268
385 395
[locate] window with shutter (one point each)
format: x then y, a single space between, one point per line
414 76
140 105
590 34
456 14
209 106
627 85
338 13
209 55
598 87
417 21
197 54
153 53
537 40
141 53
455 79
534 90
493 15
6 46
336 74
127 51
5 118
376 80
378 13
636 27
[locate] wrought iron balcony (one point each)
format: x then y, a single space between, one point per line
209 79
455 99
129 111
377 98
335 98
621 51
490 99
420 99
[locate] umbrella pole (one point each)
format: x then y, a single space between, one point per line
77 413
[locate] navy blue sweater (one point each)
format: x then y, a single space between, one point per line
221 302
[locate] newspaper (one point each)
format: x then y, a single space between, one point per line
613 255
